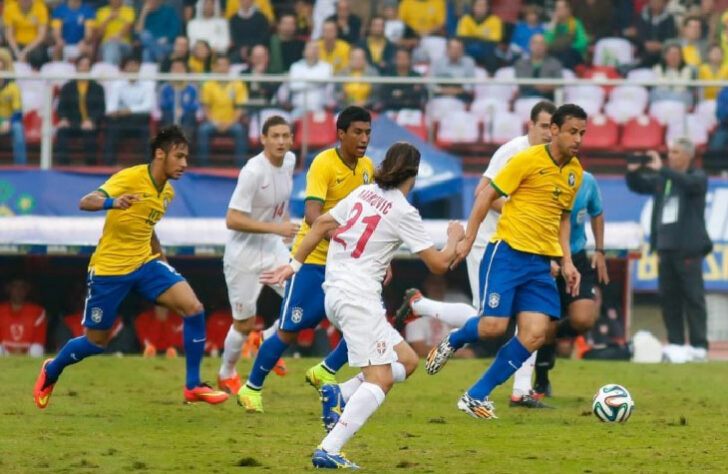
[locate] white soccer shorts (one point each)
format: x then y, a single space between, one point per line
243 291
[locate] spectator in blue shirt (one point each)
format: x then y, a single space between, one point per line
178 100
719 140
524 30
158 25
72 24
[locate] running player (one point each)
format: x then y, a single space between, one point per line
541 184
581 309
129 256
457 314
258 220
375 220
333 174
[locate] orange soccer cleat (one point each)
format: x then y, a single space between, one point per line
41 393
204 393
280 368
231 385
252 344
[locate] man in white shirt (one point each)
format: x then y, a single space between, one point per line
210 26
258 220
456 314
309 96
128 112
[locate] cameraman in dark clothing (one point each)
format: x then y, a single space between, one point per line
678 234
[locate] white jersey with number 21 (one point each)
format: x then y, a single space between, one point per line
374 224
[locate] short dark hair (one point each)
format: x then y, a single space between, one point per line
166 138
179 60
543 106
352 114
401 162
132 58
565 111
272 121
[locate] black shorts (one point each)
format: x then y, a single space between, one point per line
588 281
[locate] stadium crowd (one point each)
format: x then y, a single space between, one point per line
305 39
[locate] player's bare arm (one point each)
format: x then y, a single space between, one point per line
157 247
497 205
598 260
97 201
483 203
439 262
242 222
322 227
568 270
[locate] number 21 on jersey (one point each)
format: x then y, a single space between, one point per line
370 223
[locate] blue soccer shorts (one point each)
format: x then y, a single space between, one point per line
105 293
512 281
303 299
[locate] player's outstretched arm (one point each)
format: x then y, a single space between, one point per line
439 262
483 203
242 222
322 227
98 201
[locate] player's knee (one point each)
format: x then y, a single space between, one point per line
287 337
97 337
408 358
582 324
532 340
192 308
244 326
492 327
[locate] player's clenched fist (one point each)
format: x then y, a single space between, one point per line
462 249
288 230
455 230
125 201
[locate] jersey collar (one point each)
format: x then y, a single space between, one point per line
338 154
154 183
548 152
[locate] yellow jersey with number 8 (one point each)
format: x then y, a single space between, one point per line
330 180
125 243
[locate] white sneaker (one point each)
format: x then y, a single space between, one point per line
697 354
675 354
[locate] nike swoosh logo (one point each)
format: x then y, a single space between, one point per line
199 340
264 369
338 180
542 172
73 356
512 365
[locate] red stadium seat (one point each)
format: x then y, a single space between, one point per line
601 133
33 124
321 130
642 133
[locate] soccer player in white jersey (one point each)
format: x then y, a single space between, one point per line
258 220
456 314
374 221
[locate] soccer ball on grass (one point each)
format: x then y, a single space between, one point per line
613 403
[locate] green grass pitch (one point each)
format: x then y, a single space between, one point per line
126 415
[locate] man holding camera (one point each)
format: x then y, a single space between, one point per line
678 234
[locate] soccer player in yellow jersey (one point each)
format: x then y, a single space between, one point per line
129 257
515 273
333 174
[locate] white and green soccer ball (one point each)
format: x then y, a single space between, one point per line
613 403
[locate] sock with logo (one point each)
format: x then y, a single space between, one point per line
337 358
194 341
508 359
270 351
74 351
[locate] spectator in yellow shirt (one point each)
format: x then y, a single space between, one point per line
201 58
222 103
11 110
713 70
480 24
26 25
694 49
362 94
426 17
333 50
114 27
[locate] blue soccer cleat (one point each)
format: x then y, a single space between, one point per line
323 460
332 404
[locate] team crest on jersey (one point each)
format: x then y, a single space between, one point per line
381 347
16 331
97 314
239 308
366 177
297 315
572 179
493 300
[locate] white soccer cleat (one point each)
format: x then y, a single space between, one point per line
697 354
483 409
439 355
675 354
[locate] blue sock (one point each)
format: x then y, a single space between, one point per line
509 358
337 358
194 342
74 351
270 351
467 333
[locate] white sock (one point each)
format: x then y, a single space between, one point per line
233 345
268 333
360 407
398 372
350 386
454 314
522 377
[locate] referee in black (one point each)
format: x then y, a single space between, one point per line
678 234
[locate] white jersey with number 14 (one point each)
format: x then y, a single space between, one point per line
374 224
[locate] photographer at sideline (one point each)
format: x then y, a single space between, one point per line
678 235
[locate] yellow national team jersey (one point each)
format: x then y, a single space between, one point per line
125 243
330 180
422 15
539 192
338 57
